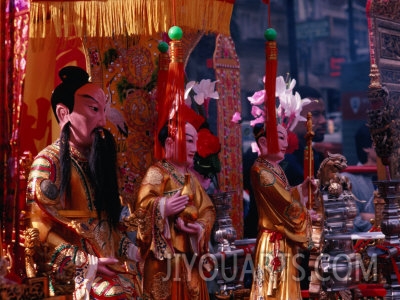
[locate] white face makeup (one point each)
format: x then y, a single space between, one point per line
282 144
88 114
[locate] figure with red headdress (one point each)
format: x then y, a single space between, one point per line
177 217
283 224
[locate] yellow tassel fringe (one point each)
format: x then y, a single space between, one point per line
106 18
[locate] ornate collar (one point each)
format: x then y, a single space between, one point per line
75 153
276 169
174 173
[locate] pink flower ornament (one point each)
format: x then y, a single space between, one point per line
236 118
257 98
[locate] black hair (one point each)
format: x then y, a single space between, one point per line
72 79
163 134
65 162
103 170
258 131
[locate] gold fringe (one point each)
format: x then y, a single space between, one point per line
106 18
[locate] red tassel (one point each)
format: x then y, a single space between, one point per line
271 66
276 263
162 79
175 94
275 237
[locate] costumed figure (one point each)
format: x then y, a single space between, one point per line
284 222
175 214
177 217
74 203
283 226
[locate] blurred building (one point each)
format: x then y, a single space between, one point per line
321 43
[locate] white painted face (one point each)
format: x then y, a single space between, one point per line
282 144
191 143
88 114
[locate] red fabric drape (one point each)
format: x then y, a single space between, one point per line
15 25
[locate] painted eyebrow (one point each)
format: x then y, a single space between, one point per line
87 96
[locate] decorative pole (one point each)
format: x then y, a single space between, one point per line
381 128
271 66
175 93
162 79
309 157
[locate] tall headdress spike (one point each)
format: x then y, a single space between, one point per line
175 94
162 79
271 65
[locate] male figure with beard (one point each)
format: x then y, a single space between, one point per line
74 201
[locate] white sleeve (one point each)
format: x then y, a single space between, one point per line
166 233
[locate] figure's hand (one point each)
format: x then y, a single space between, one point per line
190 228
102 264
175 204
306 184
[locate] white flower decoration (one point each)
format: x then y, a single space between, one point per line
188 88
289 108
205 90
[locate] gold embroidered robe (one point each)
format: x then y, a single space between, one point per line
283 226
167 251
73 232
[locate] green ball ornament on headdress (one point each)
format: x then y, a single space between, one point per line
175 33
270 34
163 47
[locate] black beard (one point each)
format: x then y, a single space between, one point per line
103 172
65 163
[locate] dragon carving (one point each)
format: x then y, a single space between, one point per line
339 212
329 177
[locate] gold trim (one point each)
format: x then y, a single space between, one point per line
77 214
127 17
